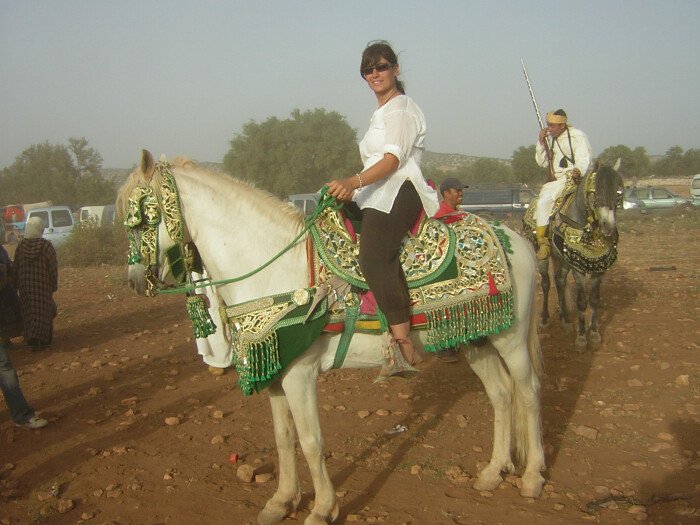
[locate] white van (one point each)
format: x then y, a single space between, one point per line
695 190
58 222
97 215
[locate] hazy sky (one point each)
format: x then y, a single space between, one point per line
181 78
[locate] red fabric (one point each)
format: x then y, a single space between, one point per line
447 214
368 304
492 285
349 227
416 225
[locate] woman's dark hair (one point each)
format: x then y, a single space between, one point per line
374 52
560 112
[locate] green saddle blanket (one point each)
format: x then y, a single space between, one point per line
460 285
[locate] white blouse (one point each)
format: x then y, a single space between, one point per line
398 127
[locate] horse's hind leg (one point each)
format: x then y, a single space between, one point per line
288 495
581 305
300 386
527 420
561 273
543 268
487 365
594 301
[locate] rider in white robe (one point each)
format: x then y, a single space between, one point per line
571 155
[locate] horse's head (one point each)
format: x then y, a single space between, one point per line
606 197
150 206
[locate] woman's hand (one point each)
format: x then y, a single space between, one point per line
341 189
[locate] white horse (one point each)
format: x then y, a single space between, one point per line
237 228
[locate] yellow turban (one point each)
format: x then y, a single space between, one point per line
555 119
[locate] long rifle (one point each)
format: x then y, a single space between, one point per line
550 176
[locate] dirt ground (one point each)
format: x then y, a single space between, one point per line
621 422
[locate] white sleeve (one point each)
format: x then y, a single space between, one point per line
541 155
582 152
401 132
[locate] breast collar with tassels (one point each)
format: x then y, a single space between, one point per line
590 207
145 210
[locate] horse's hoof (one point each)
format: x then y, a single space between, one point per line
216 371
270 517
567 327
594 339
487 481
317 519
581 343
275 512
532 483
544 323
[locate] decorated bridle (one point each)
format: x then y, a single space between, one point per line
146 209
593 202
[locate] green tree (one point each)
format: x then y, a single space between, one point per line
48 172
633 163
87 160
671 164
525 167
296 155
691 161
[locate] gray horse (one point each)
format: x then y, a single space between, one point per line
584 236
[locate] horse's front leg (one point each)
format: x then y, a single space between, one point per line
581 305
561 273
288 495
488 366
594 301
543 268
299 384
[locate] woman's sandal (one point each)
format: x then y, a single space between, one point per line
395 364
414 359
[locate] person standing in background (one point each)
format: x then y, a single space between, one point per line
35 277
10 311
21 413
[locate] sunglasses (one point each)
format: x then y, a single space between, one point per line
379 67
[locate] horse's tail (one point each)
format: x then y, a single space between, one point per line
521 404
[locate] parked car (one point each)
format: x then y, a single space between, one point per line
97 215
651 198
13 222
58 222
695 190
502 200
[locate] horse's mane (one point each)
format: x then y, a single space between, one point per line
244 190
607 184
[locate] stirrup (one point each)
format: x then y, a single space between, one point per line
394 362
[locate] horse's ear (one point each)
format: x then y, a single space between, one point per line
617 164
147 164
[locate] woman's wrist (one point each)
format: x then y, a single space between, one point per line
360 182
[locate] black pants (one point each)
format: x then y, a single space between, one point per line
380 245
